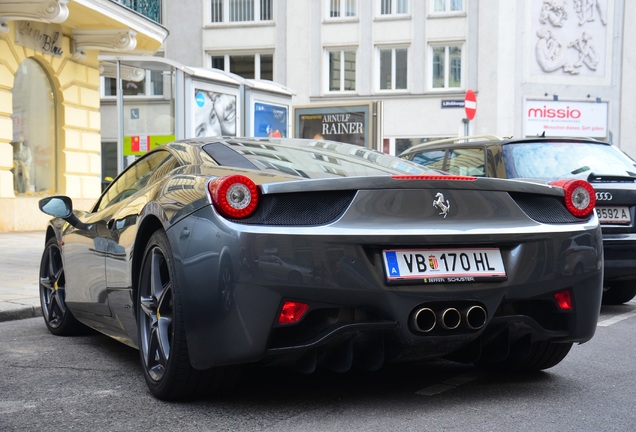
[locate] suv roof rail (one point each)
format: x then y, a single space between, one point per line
461 139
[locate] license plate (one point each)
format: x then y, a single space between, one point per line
444 265
614 215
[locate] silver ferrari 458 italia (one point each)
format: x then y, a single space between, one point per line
209 255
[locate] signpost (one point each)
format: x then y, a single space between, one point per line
470 106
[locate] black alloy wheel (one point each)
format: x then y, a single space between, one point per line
58 318
162 340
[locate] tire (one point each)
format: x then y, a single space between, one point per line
619 292
57 317
163 347
543 355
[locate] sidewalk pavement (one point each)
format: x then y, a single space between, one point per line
20 254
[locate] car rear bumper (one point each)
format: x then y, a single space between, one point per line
619 256
353 311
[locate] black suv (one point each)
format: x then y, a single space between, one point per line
608 169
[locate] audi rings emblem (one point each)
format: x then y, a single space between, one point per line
603 196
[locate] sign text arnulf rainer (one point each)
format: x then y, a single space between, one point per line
339 124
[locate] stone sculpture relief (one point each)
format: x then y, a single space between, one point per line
570 34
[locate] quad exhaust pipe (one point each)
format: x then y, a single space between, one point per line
426 319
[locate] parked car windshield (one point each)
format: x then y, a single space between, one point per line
553 160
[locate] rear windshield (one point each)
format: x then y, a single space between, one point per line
311 159
557 160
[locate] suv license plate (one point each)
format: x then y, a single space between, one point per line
444 265
613 215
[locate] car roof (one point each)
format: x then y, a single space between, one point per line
489 140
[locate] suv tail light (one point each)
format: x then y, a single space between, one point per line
234 196
580 198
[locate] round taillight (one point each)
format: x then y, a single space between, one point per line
234 196
580 198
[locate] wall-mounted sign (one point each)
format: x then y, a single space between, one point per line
347 123
137 145
270 120
563 118
452 103
42 37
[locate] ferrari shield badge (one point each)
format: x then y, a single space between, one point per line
442 205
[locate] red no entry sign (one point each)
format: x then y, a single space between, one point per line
470 104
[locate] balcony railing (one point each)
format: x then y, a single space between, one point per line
148 8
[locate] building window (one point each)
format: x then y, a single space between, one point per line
394 7
342 71
447 66
393 68
341 8
448 6
150 84
249 66
223 11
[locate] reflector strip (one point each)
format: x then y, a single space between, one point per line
564 300
292 312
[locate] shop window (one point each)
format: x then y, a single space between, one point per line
34 131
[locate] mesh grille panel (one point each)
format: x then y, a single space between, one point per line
548 210
300 209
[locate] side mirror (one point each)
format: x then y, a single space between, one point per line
61 207
57 206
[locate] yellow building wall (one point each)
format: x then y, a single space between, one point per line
78 156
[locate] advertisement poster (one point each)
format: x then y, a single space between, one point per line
138 145
563 118
214 113
350 124
270 120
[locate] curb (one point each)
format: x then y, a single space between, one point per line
21 313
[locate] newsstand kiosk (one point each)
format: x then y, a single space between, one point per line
149 101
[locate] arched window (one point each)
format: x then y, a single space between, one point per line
34 137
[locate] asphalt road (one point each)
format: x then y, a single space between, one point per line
93 383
